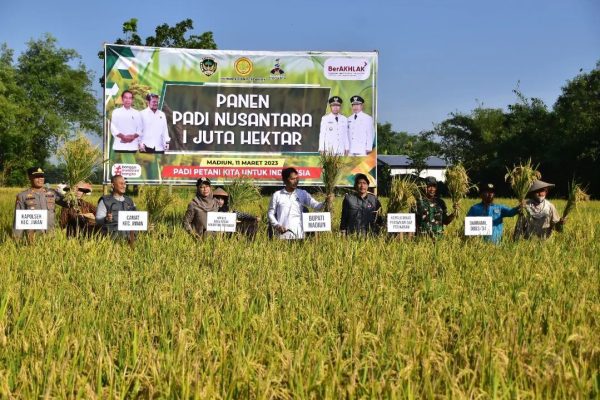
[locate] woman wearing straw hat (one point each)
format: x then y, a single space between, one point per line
543 216
247 223
80 219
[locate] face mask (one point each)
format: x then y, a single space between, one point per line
540 197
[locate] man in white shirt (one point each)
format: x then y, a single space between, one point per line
361 133
126 126
333 136
155 134
286 207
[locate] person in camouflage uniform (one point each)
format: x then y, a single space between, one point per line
37 197
431 212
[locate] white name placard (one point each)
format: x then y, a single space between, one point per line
220 222
316 222
401 222
31 219
478 226
132 220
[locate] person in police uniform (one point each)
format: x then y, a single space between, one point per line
361 132
333 137
37 197
109 207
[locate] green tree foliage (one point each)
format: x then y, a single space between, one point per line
564 140
44 97
165 36
416 147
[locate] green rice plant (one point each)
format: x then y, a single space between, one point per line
577 194
458 183
81 158
331 164
326 318
242 191
404 193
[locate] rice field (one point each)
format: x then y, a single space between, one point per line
329 317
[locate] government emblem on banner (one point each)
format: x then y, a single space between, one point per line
277 72
208 66
243 66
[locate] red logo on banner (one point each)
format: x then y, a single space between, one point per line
195 171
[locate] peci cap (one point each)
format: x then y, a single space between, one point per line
220 192
35 171
357 100
431 181
335 101
203 181
487 187
357 177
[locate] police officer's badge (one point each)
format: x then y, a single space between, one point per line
208 66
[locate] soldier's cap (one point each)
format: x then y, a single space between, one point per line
336 101
203 181
431 181
357 100
35 171
538 185
220 192
358 177
151 95
487 187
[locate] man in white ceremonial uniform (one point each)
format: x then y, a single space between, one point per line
155 134
126 126
286 207
333 136
361 133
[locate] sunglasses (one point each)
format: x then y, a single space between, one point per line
85 190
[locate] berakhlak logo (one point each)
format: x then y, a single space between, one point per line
341 69
208 66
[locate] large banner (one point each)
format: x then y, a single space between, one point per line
175 115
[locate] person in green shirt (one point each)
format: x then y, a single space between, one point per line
431 212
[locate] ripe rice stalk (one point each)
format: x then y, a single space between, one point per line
458 183
577 194
331 164
81 158
404 192
520 178
156 200
242 191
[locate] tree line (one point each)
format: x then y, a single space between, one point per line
47 96
563 140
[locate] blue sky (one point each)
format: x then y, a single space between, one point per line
435 57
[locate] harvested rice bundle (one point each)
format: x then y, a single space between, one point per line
521 177
577 194
331 164
458 183
81 158
404 193
242 191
